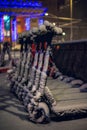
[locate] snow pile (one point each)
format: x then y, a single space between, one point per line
35 30
58 30
44 32
42 28
83 88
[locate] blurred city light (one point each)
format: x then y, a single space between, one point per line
54 24
63 33
46 14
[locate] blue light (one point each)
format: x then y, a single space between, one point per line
1 29
5 17
20 3
40 22
27 23
14 30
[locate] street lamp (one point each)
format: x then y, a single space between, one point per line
71 15
46 14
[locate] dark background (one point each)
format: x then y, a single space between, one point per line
61 9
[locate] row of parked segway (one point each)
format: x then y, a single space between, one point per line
28 80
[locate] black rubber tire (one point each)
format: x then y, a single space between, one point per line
41 114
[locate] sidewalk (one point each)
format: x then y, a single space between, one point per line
71 103
13 115
14 55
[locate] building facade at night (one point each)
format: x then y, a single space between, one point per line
17 16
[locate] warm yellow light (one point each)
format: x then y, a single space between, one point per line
54 24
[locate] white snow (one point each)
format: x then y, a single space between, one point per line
34 29
46 23
58 30
42 28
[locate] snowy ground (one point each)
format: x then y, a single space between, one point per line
13 115
71 103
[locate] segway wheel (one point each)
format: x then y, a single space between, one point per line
41 114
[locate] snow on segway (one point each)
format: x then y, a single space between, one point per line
29 82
